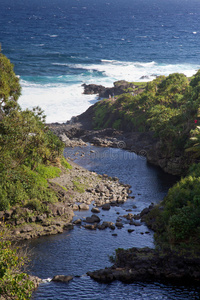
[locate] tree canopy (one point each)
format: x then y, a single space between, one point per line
10 88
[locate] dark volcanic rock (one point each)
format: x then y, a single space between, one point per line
95 210
148 264
93 89
91 227
93 219
106 206
120 87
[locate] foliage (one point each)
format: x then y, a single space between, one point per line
30 154
179 220
13 283
101 111
21 185
79 187
9 86
193 145
117 124
24 139
167 106
65 164
27 151
48 171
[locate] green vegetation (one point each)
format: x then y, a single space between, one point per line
65 163
177 217
48 171
30 154
14 284
169 107
9 86
78 186
29 151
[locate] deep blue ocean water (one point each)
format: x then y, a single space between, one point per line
58 45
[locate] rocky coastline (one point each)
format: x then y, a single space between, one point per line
80 130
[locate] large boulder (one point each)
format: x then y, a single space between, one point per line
91 226
93 219
83 206
119 88
35 280
62 278
95 210
106 206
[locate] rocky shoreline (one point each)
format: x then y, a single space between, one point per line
148 264
80 131
77 189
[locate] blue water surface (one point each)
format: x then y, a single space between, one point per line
36 33
77 251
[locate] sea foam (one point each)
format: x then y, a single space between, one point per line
62 97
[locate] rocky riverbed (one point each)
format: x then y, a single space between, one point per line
77 189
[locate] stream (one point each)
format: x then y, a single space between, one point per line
80 250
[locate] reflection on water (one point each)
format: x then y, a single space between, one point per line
77 251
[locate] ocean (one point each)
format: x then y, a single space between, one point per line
57 45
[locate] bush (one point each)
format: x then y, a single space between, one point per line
182 224
65 164
181 215
4 201
23 184
48 171
34 204
13 283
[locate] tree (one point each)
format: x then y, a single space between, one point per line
10 89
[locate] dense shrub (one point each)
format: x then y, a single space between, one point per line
14 284
179 219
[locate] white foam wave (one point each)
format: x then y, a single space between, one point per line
62 97
60 102
47 280
137 71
